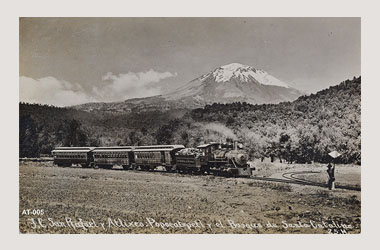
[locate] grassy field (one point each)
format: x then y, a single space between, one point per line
75 200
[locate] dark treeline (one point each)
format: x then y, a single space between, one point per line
305 130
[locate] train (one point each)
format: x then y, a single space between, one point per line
215 158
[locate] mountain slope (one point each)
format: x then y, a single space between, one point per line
304 130
230 83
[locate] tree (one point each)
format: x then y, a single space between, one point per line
28 146
76 137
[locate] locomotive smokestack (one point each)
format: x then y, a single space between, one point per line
235 145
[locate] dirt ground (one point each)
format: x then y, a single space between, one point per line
75 200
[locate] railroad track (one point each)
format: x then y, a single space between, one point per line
291 178
287 177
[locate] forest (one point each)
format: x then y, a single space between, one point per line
302 131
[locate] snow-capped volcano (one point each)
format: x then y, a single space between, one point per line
234 82
244 73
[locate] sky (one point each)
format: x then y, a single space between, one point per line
70 61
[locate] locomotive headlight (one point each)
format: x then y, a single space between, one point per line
242 158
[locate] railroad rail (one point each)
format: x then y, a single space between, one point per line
291 179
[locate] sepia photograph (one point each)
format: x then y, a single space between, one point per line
189 125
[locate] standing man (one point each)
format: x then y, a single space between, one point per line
330 172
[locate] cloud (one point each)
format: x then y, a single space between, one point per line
49 90
131 85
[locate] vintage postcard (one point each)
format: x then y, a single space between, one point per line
190 125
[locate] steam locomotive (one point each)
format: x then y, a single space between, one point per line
213 158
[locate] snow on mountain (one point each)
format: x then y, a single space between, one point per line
244 73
